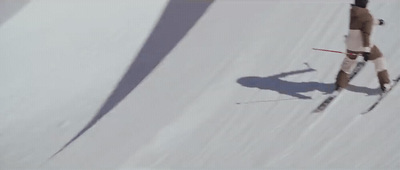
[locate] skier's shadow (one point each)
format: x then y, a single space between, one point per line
275 83
366 90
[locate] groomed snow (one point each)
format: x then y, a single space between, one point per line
178 84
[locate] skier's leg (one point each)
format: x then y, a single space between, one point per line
384 80
342 79
380 67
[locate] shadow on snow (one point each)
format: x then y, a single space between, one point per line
8 8
178 18
275 83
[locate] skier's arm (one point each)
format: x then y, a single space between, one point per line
366 32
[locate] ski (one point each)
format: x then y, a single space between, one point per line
382 96
331 97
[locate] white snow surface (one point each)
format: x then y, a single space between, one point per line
202 84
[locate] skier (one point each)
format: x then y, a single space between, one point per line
358 42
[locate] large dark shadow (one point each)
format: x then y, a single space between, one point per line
8 8
275 83
178 18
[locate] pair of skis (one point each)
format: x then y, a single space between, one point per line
330 98
355 71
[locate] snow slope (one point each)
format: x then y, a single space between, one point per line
191 84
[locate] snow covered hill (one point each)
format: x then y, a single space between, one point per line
179 84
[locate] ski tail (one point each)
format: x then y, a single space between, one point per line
383 95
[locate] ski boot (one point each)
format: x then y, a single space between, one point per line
385 87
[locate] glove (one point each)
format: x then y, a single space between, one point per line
381 22
366 55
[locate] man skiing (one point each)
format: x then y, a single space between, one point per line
359 42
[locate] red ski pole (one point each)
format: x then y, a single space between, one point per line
333 51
